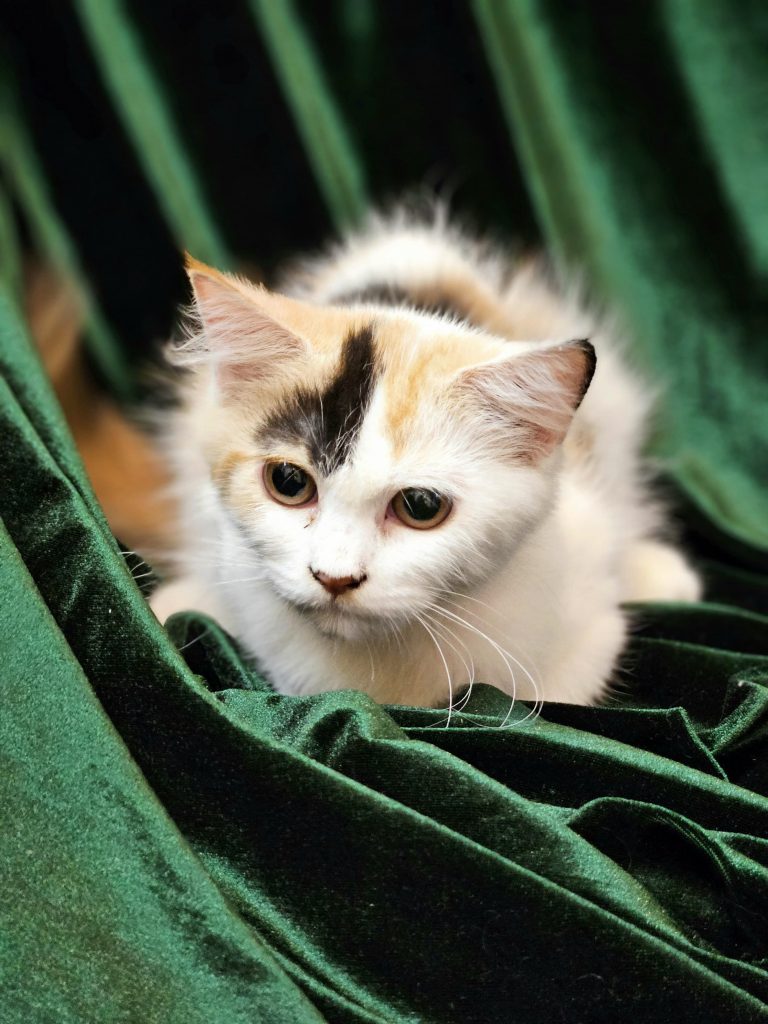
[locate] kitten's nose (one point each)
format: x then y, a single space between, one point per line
338 584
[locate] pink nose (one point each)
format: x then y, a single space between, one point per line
337 584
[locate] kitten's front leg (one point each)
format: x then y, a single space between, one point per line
182 595
590 654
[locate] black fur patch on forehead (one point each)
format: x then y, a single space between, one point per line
328 421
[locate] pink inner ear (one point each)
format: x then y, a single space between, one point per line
534 396
244 342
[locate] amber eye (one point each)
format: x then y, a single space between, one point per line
420 508
289 484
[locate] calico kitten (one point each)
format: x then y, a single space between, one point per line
418 468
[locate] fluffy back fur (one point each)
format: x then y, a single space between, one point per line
413 371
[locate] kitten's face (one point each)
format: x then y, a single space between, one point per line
372 461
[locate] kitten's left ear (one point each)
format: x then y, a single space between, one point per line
533 396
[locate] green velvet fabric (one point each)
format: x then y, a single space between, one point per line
179 843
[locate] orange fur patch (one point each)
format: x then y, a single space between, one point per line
418 370
225 468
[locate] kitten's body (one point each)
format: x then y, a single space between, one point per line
552 526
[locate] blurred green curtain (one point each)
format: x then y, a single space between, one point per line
178 842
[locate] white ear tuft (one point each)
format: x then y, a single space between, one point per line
533 397
234 333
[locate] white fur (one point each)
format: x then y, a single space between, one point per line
522 585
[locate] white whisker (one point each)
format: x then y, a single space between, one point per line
244 579
193 640
506 657
445 664
469 666
373 667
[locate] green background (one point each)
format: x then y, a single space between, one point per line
179 843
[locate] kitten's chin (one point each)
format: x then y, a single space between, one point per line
343 624
337 620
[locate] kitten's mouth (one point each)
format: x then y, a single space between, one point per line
341 624
338 619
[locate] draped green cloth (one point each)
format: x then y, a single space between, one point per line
179 843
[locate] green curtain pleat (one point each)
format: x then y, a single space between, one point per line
10 268
329 149
721 60
21 166
138 96
180 843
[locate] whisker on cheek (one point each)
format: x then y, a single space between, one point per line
445 665
508 659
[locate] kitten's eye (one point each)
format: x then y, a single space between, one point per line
420 508
289 484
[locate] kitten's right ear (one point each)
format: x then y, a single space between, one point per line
536 393
238 336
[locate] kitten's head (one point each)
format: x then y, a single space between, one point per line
372 458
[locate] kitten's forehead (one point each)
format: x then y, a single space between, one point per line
422 357
401 361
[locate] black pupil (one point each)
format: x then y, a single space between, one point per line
288 479
420 504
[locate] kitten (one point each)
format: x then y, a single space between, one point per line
418 469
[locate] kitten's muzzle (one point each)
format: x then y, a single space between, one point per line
337 585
